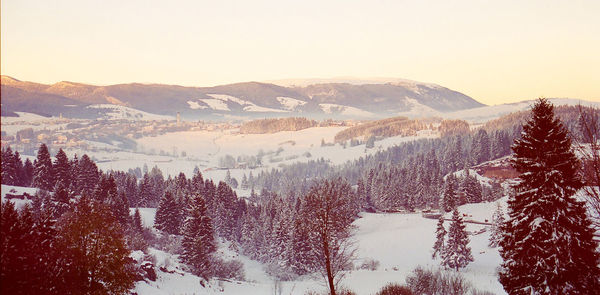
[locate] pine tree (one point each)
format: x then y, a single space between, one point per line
244 185
450 199
137 220
9 167
457 253
88 176
43 173
198 239
168 215
440 235
548 245
481 146
27 173
496 228
62 168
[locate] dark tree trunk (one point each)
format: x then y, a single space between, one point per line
328 266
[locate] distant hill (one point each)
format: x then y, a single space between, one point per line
370 100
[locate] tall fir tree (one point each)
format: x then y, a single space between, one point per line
548 245
450 198
10 169
198 239
457 253
27 173
62 168
43 172
440 235
168 215
496 228
87 175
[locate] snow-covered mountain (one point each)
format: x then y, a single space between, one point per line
333 98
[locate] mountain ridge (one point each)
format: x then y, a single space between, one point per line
243 99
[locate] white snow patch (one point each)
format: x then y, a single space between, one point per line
17 190
290 103
117 112
255 108
215 104
331 108
194 105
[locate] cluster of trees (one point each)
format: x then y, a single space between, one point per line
292 234
453 127
383 128
14 171
454 252
276 125
406 176
296 235
59 245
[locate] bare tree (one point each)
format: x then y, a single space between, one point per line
328 212
589 150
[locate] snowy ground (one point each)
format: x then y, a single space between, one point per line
204 149
400 242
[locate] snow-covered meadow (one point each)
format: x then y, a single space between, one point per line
399 242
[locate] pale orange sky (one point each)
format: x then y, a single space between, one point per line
493 51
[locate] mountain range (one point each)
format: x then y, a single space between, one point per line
320 98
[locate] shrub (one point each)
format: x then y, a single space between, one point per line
233 269
429 281
394 289
369 264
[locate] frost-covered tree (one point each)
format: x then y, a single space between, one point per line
470 189
480 149
548 245
457 253
62 168
440 235
450 198
198 238
10 169
496 228
328 214
43 173
168 215
87 175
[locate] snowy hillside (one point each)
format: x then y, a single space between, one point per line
118 112
411 247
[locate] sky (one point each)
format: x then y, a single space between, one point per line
493 51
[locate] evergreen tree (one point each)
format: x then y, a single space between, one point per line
137 220
198 239
440 235
496 228
87 175
9 167
244 185
481 146
168 215
43 173
457 253
60 200
27 173
548 245
450 198
62 168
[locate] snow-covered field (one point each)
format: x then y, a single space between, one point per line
400 242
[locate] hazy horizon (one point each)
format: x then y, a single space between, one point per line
493 52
